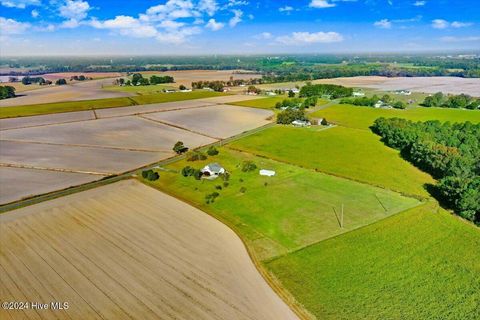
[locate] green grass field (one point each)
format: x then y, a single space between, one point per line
297 207
70 106
419 264
363 117
351 153
269 103
142 90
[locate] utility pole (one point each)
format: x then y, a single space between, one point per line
341 220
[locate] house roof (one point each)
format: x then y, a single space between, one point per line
213 167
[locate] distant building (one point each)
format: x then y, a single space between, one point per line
213 170
403 92
359 94
301 123
267 173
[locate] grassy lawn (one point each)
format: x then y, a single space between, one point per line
46 108
351 153
142 90
295 208
269 103
363 117
419 264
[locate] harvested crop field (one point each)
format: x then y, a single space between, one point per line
186 77
18 183
219 121
127 133
115 253
86 90
112 141
453 85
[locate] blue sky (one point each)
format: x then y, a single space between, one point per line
96 27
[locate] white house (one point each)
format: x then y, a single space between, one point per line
213 170
379 104
267 173
358 94
301 123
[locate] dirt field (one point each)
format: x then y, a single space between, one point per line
127 133
112 141
219 121
127 251
186 77
453 85
25 122
18 183
72 92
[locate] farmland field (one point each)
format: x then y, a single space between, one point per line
141 90
275 215
39 109
268 103
452 85
351 153
217 121
363 117
419 264
115 252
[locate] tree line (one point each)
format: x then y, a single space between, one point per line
372 101
219 85
440 100
449 152
331 90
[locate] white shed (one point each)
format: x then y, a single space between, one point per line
268 173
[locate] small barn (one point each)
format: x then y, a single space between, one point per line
267 173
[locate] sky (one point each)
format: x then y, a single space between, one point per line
189 27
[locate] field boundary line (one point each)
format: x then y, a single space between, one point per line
84 146
421 204
47 124
177 127
271 280
20 166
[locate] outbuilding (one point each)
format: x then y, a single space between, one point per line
267 173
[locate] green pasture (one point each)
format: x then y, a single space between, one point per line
295 208
420 264
346 152
363 117
70 106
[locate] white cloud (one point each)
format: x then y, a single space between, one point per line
286 9
126 25
299 38
11 26
74 9
214 25
321 4
460 39
263 35
35 13
236 19
178 36
458 24
440 24
21 4
235 3
171 10
384 24
208 6
419 3
443 24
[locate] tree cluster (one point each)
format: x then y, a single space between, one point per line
331 90
7 92
218 85
29 80
61 82
372 101
287 116
450 152
150 175
452 101
289 104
